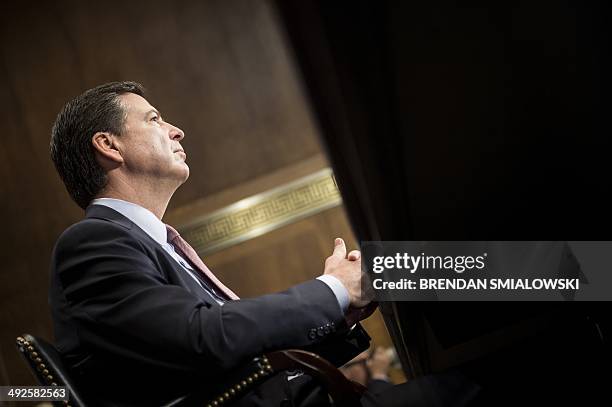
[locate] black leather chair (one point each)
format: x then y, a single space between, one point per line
46 364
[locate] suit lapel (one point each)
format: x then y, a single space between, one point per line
175 272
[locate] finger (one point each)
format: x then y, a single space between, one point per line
354 255
339 249
361 356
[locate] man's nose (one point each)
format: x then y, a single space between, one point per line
176 133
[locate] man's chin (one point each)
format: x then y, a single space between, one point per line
185 174
179 173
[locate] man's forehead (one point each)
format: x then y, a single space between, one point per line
135 103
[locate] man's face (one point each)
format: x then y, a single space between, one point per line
150 146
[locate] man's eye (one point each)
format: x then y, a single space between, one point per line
155 118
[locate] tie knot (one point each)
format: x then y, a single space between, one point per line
172 233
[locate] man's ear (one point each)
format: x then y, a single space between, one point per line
105 149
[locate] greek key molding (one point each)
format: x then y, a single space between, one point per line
262 213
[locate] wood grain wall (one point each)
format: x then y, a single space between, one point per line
220 70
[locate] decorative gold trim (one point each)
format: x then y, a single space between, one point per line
263 370
262 213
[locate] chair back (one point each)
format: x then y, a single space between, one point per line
46 363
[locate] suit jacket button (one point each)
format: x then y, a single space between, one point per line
320 331
312 334
327 330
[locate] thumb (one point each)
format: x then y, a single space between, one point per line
339 249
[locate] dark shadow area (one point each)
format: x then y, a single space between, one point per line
486 121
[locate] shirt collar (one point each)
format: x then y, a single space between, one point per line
142 217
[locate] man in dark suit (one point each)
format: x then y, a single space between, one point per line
138 317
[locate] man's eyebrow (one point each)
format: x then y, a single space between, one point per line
152 111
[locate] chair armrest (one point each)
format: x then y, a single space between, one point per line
344 393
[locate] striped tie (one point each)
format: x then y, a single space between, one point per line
185 249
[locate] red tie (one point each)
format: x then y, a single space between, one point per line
185 249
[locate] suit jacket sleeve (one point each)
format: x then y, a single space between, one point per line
121 303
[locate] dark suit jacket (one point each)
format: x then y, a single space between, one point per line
137 330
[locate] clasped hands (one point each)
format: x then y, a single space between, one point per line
347 269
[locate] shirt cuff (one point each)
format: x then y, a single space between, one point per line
339 290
